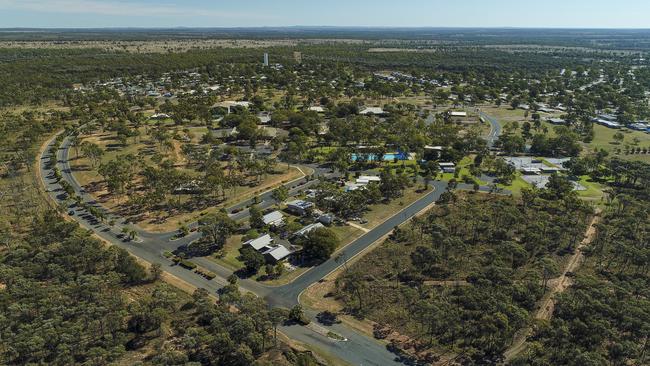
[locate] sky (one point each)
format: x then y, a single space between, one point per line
383 13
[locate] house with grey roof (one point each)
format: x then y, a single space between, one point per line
299 207
262 243
276 254
274 218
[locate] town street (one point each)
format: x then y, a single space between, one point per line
358 349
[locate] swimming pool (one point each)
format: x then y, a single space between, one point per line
386 157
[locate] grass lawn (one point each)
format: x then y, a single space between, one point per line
381 212
231 252
505 113
346 234
462 169
594 192
604 139
516 186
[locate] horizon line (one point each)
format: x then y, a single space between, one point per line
323 27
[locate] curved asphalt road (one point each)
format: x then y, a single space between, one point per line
357 350
495 132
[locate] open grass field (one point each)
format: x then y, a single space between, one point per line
604 139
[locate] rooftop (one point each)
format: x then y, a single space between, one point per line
262 242
309 228
300 203
278 253
272 217
372 110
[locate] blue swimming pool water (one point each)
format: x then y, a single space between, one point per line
387 157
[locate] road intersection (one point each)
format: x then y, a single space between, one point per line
358 349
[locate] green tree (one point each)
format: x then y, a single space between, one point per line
319 244
216 228
253 260
256 218
280 194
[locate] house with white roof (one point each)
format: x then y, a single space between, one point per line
159 116
447 167
307 229
377 111
274 218
369 178
264 117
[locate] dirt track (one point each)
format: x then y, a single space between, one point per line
556 286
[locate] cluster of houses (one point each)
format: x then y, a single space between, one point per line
537 172
640 126
277 250
533 166
141 85
272 251
396 76
609 121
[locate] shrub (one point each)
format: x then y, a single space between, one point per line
187 264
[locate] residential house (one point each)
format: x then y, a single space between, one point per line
263 243
274 218
326 219
377 111
447 167
307 229
276 254
299 207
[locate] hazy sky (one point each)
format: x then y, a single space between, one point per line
389 13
